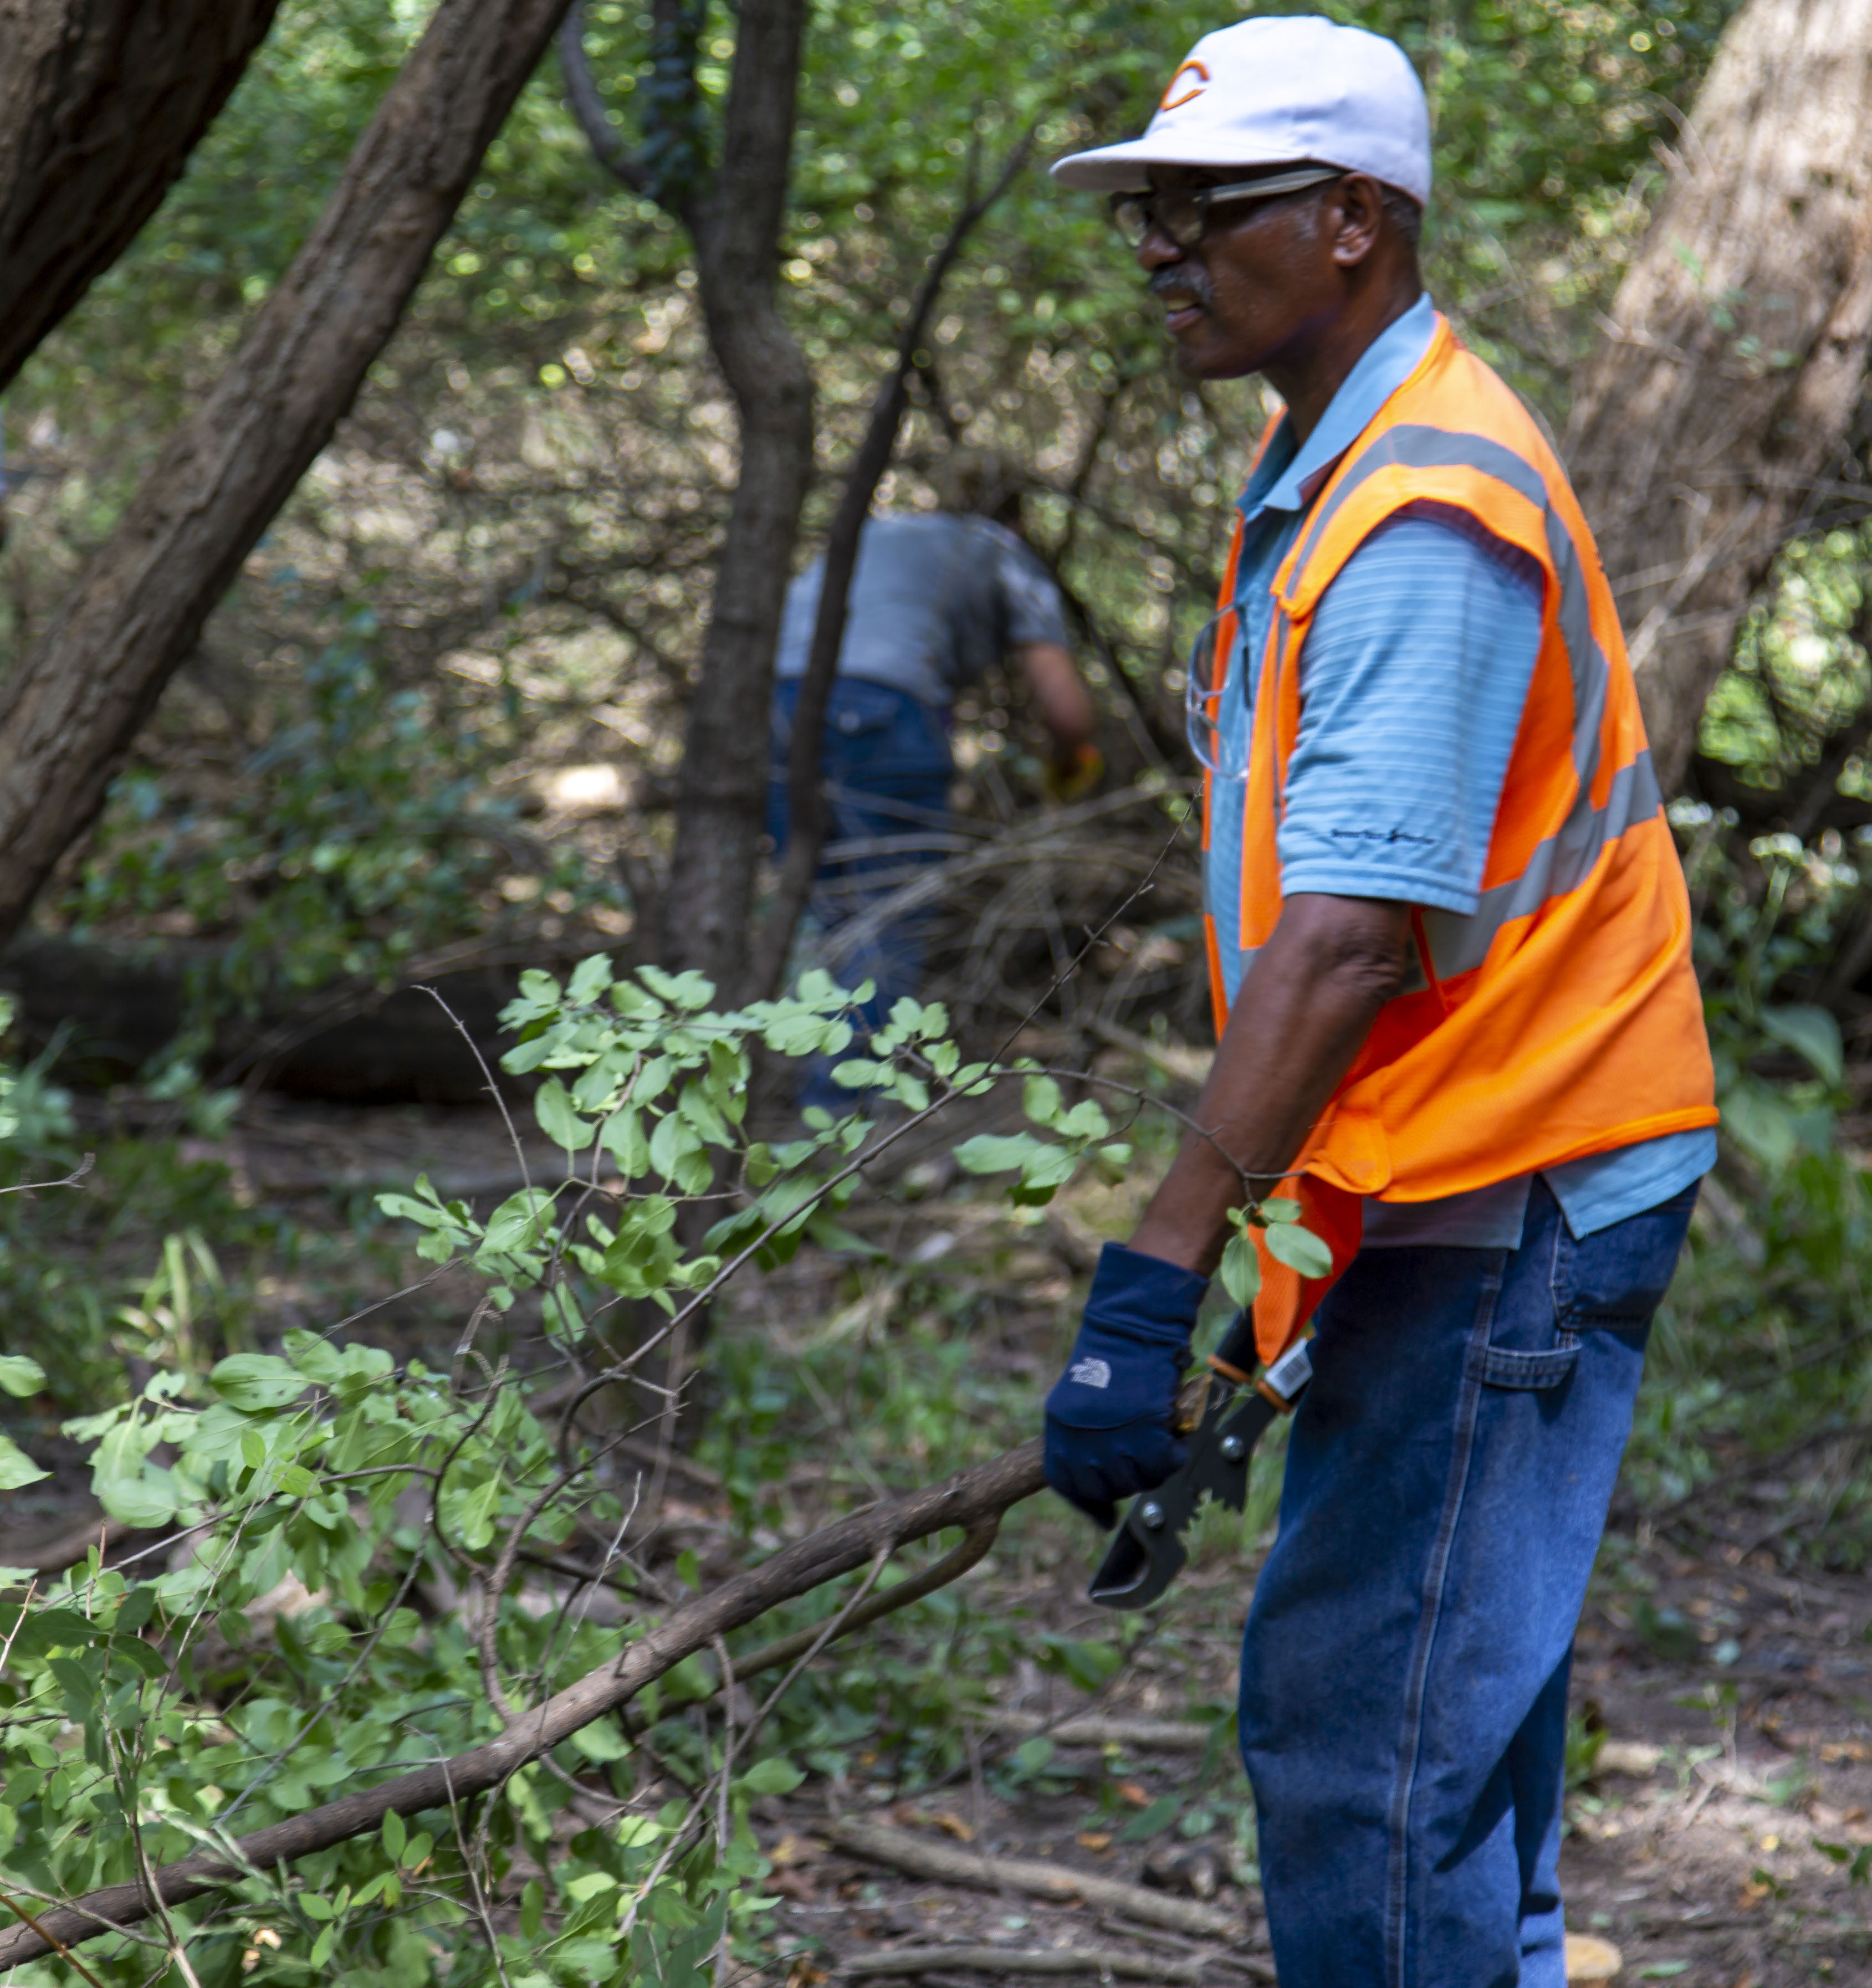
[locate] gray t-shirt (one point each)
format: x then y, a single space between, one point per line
936 600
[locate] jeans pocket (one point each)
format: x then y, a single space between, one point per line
1510 1366
1615 1280
861 710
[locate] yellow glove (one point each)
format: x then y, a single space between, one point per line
1068 784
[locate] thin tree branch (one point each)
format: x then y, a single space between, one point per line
587 106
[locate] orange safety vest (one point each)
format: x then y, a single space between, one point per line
1562 1017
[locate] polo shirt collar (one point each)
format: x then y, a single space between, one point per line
1287 478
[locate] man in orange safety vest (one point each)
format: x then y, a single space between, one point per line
1450 946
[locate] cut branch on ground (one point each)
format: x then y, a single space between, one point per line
969 1500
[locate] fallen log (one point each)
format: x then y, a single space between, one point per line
920 1858
112 1008
1149 1735
1104 1962
965 1500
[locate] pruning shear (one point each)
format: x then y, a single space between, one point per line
1232 1409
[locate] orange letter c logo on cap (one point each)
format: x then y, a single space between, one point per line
1172 103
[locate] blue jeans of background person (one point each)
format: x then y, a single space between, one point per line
1404 1668
887 766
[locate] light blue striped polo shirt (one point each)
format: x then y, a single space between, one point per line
1412 679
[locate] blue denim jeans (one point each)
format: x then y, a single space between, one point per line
1404 1668
887 766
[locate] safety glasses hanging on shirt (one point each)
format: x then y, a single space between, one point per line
1182 213
1204 686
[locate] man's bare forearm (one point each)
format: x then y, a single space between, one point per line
1302 1014
1064 704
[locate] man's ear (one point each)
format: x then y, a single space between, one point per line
1355 210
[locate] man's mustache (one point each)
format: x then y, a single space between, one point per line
1188 279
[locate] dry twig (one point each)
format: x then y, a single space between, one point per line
903 1852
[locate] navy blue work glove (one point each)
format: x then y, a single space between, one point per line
1109 1418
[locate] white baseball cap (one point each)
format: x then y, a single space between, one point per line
1274 92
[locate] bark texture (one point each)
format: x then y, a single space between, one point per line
70 709
972 1499
721 794
734 214
1714 420
101 103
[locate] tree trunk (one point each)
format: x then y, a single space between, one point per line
70 710
1712 423
101 103
722 791
808 810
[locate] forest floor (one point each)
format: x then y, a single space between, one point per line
1719 1823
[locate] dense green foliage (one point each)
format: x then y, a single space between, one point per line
326 1489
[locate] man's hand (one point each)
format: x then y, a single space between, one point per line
1110 1430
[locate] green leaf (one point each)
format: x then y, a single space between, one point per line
1298 1248
132 1651
1041 1100
20 1376
1152 1821
672 1143
256 1381
1240 1271
859 1073
1756 1118
773 1776
682 990
1090 1665
590 978
519 1223
588 1884
322 1947
990 1153
44 1629
395 1835
16 1468
1811 1032
148 1500
553 1106
601 1741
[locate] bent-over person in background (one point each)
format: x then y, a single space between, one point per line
938 598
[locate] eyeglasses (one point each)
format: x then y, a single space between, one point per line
1226 758
1182 213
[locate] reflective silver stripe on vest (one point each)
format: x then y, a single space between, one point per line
1561 864
1412 447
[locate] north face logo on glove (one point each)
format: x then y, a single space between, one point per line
1091 1372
